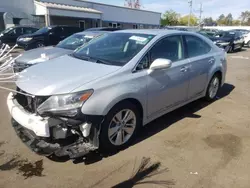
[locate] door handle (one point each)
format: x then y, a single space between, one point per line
183 69
211 61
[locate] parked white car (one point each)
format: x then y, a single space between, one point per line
247 39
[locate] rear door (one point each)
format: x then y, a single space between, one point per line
201 61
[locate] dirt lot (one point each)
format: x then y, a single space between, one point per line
201 145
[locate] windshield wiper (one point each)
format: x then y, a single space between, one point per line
103 62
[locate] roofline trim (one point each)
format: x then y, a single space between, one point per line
48 7
118 6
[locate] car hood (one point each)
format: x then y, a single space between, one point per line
41 54
61 75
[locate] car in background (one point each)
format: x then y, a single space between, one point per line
99 96
247 39
103 29
46 36
229 40
9 36
66 46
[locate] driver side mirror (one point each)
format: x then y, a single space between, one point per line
160 63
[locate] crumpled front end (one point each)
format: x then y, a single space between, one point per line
61 136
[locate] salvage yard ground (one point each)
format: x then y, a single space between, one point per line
201 145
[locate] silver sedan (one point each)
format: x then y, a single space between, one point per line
99 97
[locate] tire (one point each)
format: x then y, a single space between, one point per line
110 130
39 44
213 88
248 44
231 49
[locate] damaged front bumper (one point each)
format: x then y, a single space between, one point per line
51 135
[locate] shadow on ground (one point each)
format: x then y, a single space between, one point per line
159 124
140 175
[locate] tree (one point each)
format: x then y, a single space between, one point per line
193 20
229 19
244 17
208 21
236 22
170 18
221 19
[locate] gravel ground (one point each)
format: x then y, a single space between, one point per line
202 145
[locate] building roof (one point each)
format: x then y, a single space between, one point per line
143 10
67 7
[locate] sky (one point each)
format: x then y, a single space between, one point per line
211 8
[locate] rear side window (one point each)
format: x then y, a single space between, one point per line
196 46
168 48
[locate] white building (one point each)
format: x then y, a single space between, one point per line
74 12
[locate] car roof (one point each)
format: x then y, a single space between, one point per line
92 33
152 31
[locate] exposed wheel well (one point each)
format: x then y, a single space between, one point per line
135 102
219 73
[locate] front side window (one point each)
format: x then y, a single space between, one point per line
58 30
114 48
43 30
28 30
75 41
196 46
168 48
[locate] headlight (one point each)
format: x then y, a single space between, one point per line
65 105
25 39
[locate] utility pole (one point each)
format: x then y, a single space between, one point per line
201 11
190 2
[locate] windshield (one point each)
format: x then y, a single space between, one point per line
75 41
6 30
113 48
43 30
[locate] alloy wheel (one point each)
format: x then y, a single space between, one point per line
122 127
213 88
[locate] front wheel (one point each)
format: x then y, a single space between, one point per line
39 44
213 88
120 127
231 49
248 44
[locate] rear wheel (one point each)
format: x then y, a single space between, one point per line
213 88
120 127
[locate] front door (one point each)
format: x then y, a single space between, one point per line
167 88
201 62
